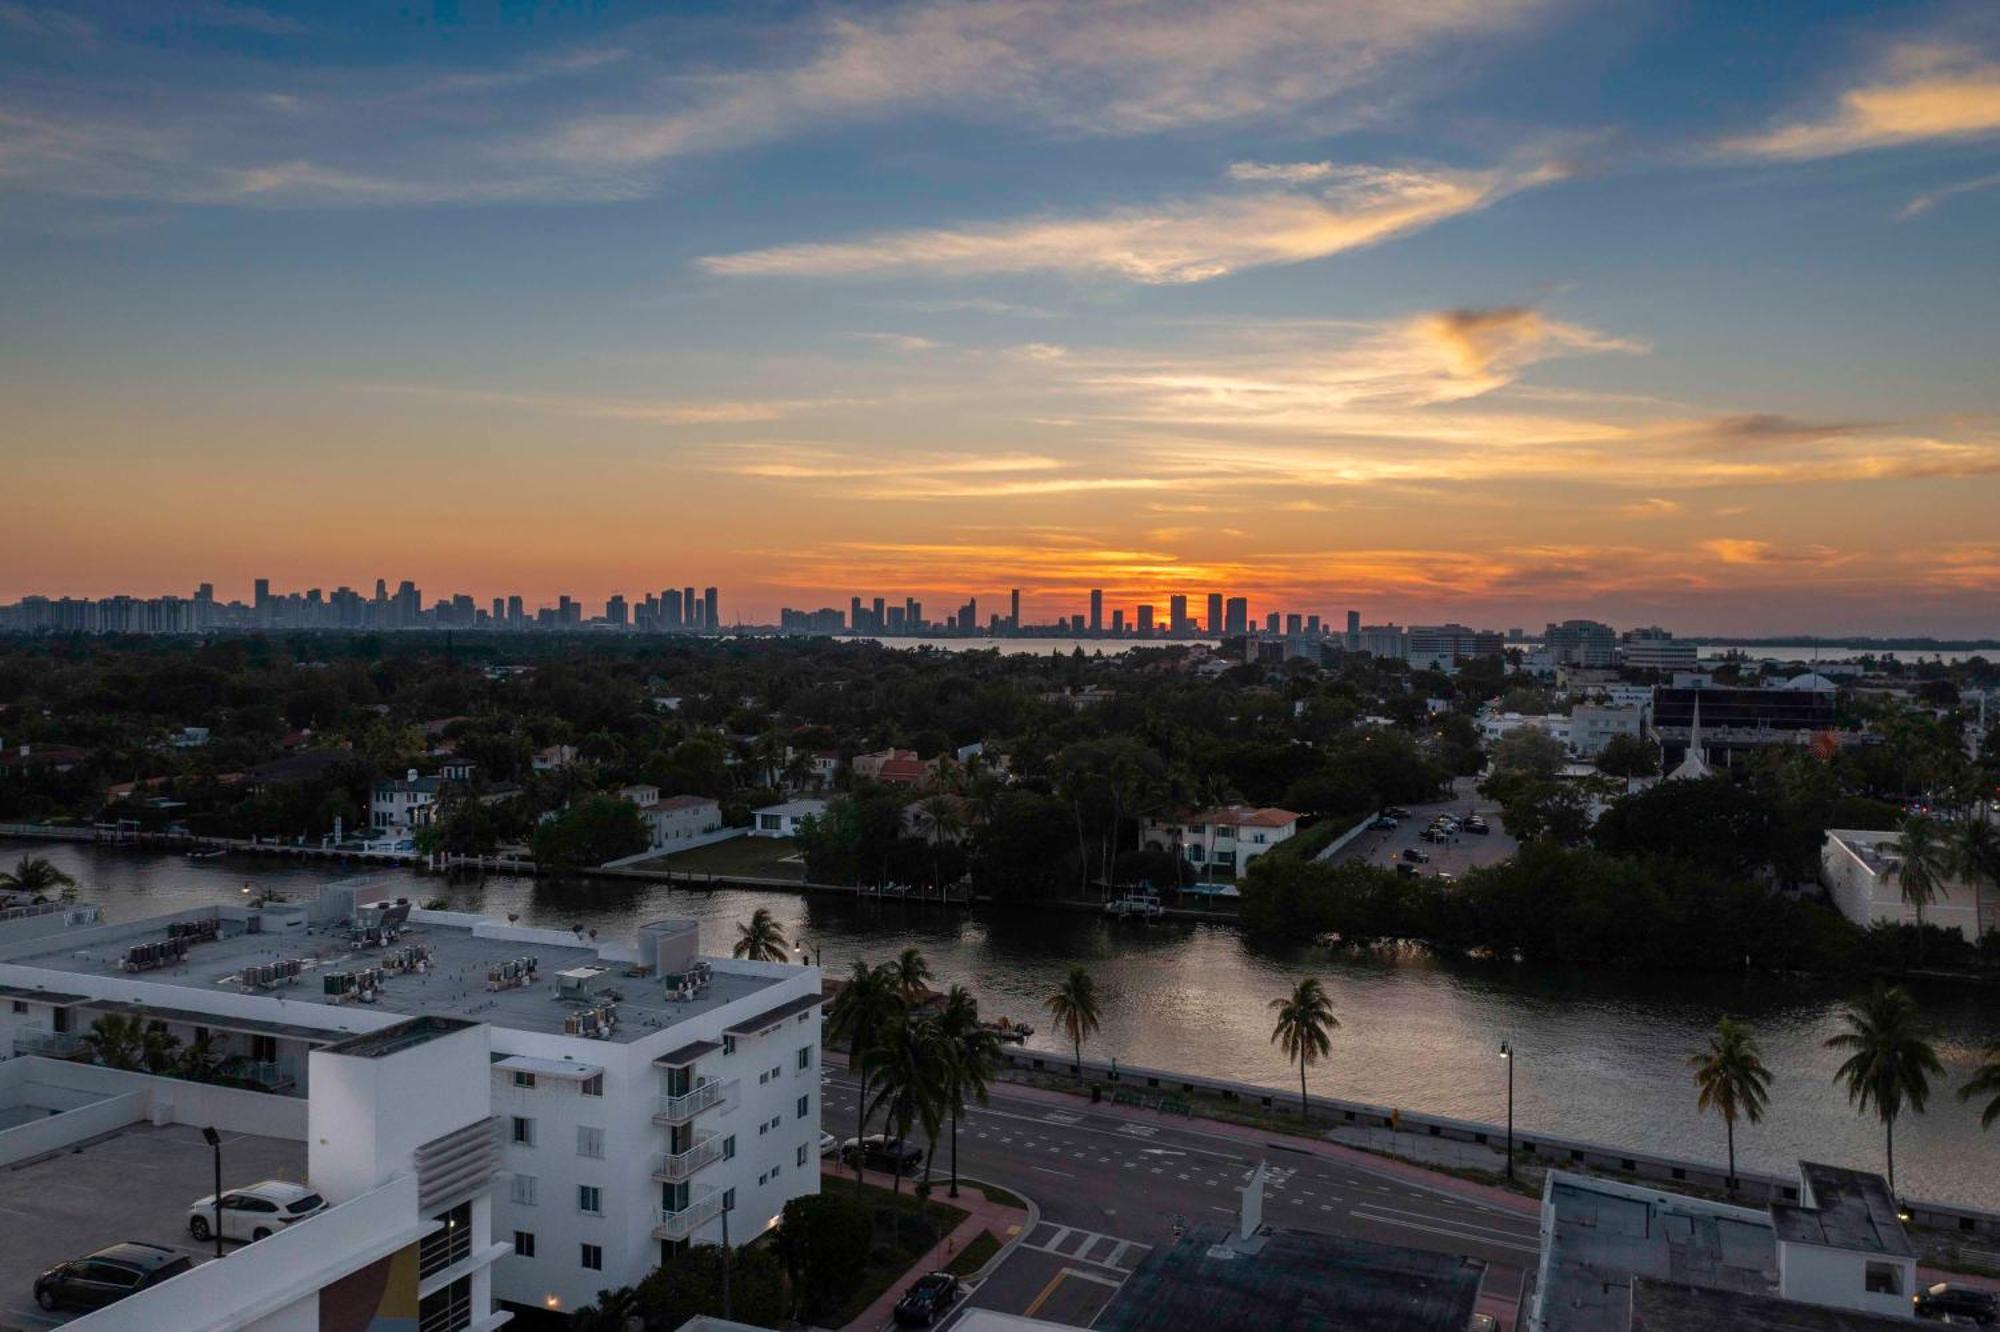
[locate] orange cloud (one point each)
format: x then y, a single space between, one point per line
1923 92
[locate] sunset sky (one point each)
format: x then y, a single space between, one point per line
1495 310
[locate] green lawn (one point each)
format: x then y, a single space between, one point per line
748 857
905 1230
974 1255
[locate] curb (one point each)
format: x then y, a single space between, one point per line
1028 1228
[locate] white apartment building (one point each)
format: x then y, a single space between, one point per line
1862 872
677 821
639 1090
1591 726
397 806
1225 839
1495 725
1654 649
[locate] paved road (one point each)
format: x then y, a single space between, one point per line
1111 1188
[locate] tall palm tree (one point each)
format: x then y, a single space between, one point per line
1892 1061
1926 861
1074 1008
762 939
1305 1016
971 1055
35 876
912 974
118 1041
1732 1079
1975 855
940 821
1985 1081
865 1004
906 1062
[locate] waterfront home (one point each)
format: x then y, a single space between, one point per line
1863 873
400 805
676 821
784 820
1224 839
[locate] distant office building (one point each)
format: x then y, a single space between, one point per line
690 609
615 612
1271 623
1014 610
1382 640
1096 610
1145 621
1736 720
1440 647
1236 616
1177 616
1654 649
1583 643
710 614
1118 621
1215 614
1592 725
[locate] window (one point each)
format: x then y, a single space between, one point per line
762 1129
776 1171
729 1148
777 1072
593 1085
728 1044
590 1142
593 1258
20 1006
805 1057
590 1198
729 1200
805 1105
450 1244
524 1131
1884 1279
446 1310
523 1079
801 1161
524 1190
524 1243
763 1078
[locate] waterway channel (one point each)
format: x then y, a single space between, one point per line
1603 1054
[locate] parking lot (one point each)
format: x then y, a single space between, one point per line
1466 850
134 1184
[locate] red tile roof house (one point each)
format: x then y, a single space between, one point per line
1225 839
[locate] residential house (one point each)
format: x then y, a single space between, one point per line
554 757
784 820
397 806
677 820
26 758
1224 839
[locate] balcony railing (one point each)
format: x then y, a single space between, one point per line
698 1213
680 1109
670 1167
50 1044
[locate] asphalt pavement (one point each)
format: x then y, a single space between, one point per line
1465 851
1110 1188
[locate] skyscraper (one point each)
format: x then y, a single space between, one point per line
1215 614
1118 621
1014 610
1145 621
1177 616
1236 617
711 617
1096 610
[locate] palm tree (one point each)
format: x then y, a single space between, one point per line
159 1049
1733 1080
865 1004
912 972
1074 1008
1985 1082
117 1040
200 1058
939 819
906 1063
1304 1019
762 940
1892 1063
971 1055
1976 859
1926 861
35 876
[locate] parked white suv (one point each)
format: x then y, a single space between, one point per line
254 1212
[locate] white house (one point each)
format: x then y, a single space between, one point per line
554 758
1592 725
784 820
630 1092
1225 839
1862 872
678 820
397 806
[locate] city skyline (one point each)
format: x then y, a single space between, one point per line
1505 312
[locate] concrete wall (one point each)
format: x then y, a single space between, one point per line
92 1100
1543 1148
1838 1278
38 1137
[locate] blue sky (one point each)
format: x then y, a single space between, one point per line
1505 310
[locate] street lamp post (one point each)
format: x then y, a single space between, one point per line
1507 1053
802 946
214 1140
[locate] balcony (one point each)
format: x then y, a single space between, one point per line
51 1044
681 1225
680 1109
671 1167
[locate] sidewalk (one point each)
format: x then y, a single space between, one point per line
1004 1222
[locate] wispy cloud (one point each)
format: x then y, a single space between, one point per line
1284 173
905 342
1174 243
1923 203
644 411
1745 550
1921 92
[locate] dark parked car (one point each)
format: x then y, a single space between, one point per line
928 1300
880 1152
1415 857
1478 826
1968 1302
108 1275
1384 824
1396 812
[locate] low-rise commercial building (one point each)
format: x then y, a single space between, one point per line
1654 649
1862 872
1592 725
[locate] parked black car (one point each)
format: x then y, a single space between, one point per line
880 1152
1414 856
108 1275
929 1300
1969 1302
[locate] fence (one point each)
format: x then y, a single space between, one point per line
1545 1149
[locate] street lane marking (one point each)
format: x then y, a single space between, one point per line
1447 1220
1448 1234
1046 1171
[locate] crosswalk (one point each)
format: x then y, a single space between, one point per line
1087 1246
